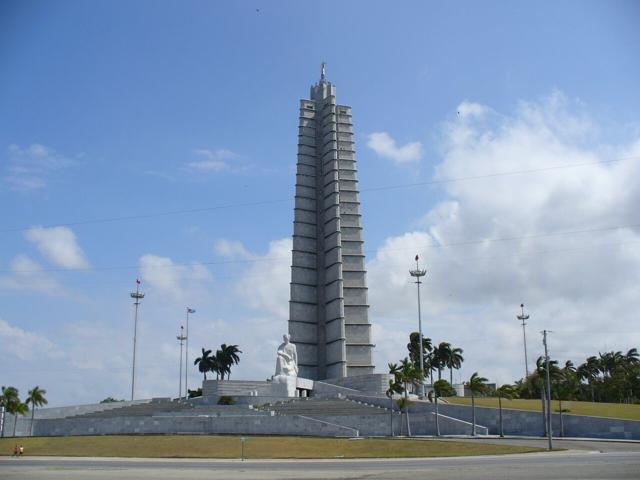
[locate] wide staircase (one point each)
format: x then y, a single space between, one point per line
140 410
307 406
325 406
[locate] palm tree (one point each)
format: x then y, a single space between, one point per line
19 409
8 400
226 357
395 386
508 392
36 398
408 375
477 385
414 350
589 371
204 362
455 361
632 357
541 372
443 355
610 362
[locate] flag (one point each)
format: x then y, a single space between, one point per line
190 310
417 258
138 281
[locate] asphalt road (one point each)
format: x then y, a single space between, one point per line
594 460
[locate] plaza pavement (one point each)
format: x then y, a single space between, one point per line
585 460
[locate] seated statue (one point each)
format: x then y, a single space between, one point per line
287 360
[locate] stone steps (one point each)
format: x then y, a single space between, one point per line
336 407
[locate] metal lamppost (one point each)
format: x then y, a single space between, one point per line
417 273
186 355
548 382
137 296
523 318
181 338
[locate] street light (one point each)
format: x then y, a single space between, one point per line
548 382
186 354
181 338
137 296
524 317
417 273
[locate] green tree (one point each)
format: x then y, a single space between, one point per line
588 372
36 398
477 386
395 387
540 376
19 408
204 362
443 388
508 392
226 357
8 401
442 356
408 375
110 400
454 361
414 350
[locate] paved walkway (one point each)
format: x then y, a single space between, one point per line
586 460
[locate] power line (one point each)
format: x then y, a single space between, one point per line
370 254
274 201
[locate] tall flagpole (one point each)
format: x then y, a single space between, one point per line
137 296
418 273
181 339
186 356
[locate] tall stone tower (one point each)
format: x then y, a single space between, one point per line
328 310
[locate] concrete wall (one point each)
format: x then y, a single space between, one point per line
522 422
216 388
420 424
376 383
315 425
24 423
250 425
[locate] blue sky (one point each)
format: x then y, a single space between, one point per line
111 109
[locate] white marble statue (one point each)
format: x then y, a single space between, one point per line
287 360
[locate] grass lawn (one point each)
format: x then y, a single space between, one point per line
214 446
612 410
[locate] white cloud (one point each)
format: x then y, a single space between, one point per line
212 161
384 145
472 109
174 281
28 275
59 245
20 343
269 276
232 249
585 287
30 168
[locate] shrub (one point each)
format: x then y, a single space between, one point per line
226 400
444 389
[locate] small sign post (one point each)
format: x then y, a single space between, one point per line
243 440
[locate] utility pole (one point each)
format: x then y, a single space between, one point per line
137 296
181 338
548 381
417 273
186 356
524 317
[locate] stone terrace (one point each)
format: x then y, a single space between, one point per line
318 406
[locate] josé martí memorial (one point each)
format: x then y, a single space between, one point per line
324 381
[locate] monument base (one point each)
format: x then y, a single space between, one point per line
281 386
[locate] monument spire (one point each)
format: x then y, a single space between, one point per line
328 308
